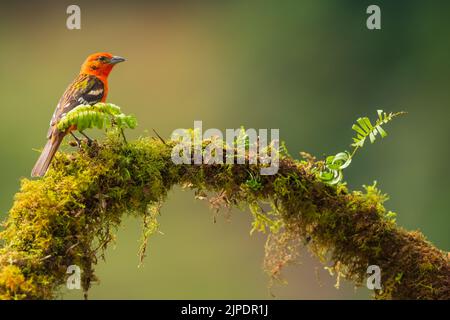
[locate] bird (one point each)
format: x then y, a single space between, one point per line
88 88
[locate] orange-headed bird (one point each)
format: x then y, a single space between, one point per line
90 87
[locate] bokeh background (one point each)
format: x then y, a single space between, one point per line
309 68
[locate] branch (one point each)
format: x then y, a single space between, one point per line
69 218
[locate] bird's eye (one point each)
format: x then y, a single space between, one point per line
102 58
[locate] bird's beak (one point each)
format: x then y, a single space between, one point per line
116 59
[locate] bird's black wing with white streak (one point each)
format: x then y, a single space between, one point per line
85 89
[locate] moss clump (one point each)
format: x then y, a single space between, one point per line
70 216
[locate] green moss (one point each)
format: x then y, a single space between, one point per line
71 215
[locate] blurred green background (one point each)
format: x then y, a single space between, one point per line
309 68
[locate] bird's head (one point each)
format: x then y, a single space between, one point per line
100 64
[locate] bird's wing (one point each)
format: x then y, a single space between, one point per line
85 89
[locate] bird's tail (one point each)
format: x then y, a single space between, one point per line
42 164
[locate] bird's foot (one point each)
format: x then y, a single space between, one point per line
89 141
76 143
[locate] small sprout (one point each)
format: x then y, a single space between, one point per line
254 183
364 128
334 165
332 174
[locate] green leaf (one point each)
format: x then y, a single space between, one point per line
363 125
380 115
343 159
381 131
358 129
368 123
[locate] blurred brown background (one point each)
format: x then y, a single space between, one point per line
309 68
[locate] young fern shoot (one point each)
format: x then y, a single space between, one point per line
331 172
364 128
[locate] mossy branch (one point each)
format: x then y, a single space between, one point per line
69 217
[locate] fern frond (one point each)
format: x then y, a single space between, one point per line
331 171
364 128
100 115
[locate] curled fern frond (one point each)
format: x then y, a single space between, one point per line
100 115
364 128
331 172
